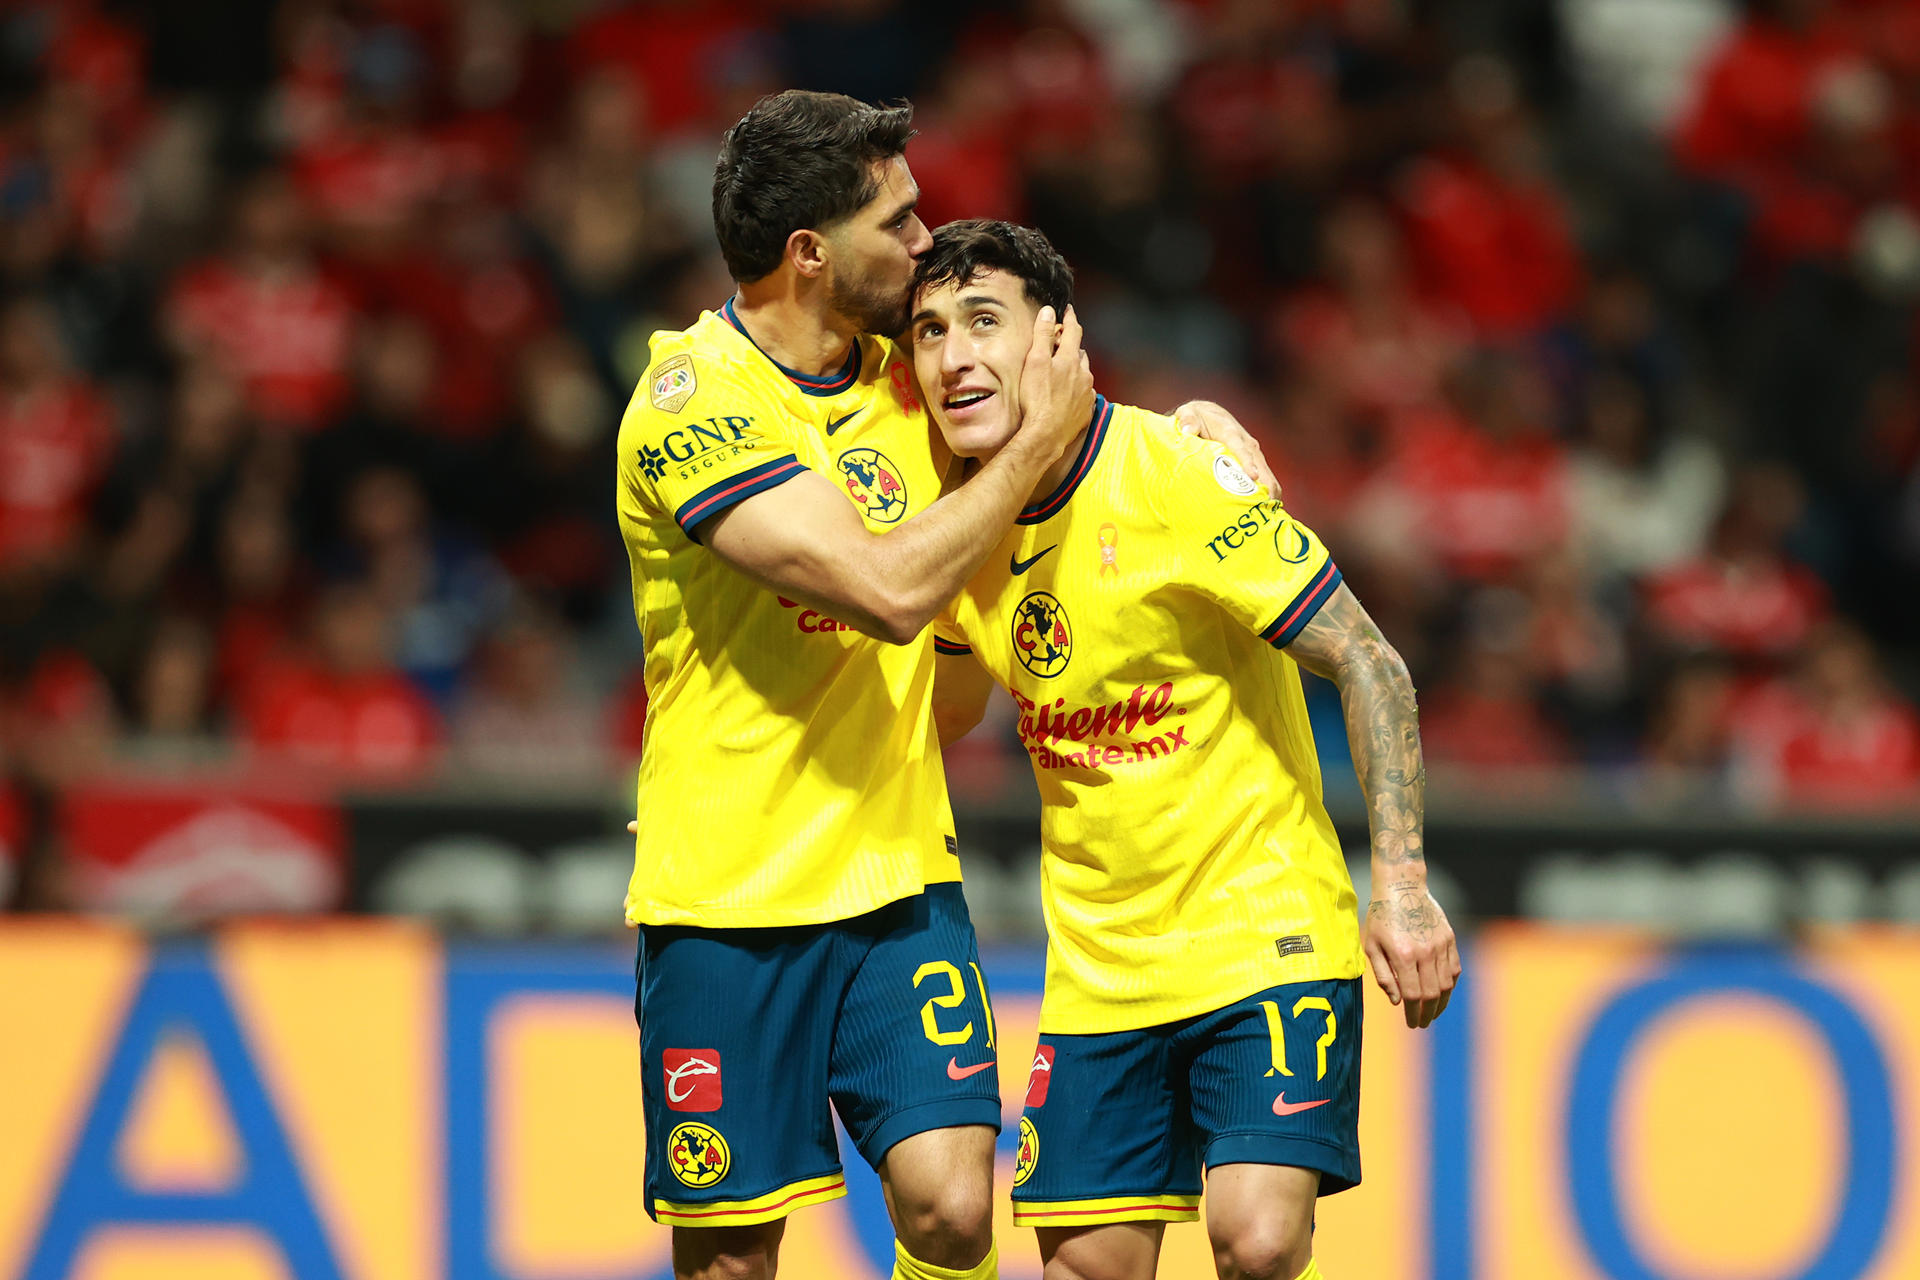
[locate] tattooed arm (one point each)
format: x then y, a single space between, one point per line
1407 937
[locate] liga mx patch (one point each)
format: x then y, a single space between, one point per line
1298 944
673 384
692 1079
1229 475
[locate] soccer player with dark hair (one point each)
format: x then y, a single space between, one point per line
1202 1004
796 881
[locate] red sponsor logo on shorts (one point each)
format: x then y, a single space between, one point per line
692 1079
1041 1077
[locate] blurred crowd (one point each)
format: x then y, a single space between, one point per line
1582 331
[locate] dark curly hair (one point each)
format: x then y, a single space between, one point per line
798 159
963 250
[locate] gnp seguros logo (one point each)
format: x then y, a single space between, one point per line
697 446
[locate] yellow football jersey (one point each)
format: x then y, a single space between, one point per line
791 771
1136 616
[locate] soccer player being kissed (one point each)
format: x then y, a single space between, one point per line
796 884
1202 1004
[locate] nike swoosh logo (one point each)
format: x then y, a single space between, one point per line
1020 566
834 424
957 1072
1281 1107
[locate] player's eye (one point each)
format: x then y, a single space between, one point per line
928 331
984 320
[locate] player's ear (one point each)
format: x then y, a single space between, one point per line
807 251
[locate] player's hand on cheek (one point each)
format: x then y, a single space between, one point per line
1209 421
1411 947
1056 382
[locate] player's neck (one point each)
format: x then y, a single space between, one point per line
1062 468
790 329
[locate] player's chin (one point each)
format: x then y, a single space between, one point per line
979 439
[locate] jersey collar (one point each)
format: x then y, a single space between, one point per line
1050 506
812 384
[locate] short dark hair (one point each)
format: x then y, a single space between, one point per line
963 250
798 159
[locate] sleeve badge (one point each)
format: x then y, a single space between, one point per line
673 384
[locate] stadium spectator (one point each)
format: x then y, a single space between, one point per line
1639 504
1858 746
1743 596
173 697
527 715
1489 228
440 590
266 311
346 709
1487 716
56 441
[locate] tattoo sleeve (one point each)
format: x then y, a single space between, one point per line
1342 644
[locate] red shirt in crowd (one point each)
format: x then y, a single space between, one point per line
1484 505
676 52
1502 252
373 723
1470 729
1754 609
1868 758
55 443
286 336
13 834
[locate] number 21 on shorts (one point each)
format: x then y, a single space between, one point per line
940 973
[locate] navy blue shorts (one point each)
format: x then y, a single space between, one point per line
746 1034
1119 1126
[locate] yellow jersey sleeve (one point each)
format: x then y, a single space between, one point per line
1243 550
701 440
949 636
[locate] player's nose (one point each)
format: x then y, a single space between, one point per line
921 240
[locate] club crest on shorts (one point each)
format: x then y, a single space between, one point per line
1027 1154
697 1154
673 384
874 483
1042 636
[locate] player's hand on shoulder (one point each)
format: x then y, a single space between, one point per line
1056 384
1411 947
1210 421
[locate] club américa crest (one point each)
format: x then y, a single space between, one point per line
1042 636
697 1154
874 482
1027 1154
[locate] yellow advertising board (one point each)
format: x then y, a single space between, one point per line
348 1100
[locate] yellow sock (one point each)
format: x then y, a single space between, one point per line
1312 1272
908 1267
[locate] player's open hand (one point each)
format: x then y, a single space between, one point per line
1411 946
1056 383
1209 421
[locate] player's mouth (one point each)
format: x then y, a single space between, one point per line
964 405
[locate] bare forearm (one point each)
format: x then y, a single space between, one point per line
912 572
1342 644
1383 732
